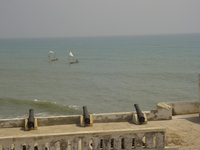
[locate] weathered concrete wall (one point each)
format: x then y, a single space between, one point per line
112 117
163 112
12 123
41 121
69 119
58 120
181 108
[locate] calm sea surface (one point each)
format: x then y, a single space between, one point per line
112 75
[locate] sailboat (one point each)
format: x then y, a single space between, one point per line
71 58
52 56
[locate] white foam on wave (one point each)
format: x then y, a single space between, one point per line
74 107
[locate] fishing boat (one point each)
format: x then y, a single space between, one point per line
71 58
52 56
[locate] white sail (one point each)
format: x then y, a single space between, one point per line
70 54
51 55
71 58
51 52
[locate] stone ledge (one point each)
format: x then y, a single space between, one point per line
184 107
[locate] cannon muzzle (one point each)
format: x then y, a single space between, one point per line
31 119
140 115
86 116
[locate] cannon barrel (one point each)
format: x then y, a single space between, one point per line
86 116
31 119
139 113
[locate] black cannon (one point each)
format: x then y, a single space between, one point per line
86 116
139 114
31 119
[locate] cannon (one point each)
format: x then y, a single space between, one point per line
140 115
31 119
86 116
30 122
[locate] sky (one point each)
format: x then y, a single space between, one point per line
71 18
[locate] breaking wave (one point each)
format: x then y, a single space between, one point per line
16 108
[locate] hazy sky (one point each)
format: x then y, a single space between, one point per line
61 18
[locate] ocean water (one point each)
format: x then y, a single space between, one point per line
112 75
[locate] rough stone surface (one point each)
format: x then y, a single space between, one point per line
182 131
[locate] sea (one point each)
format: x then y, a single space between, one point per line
112 74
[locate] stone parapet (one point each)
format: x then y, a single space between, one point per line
184 107
164 111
